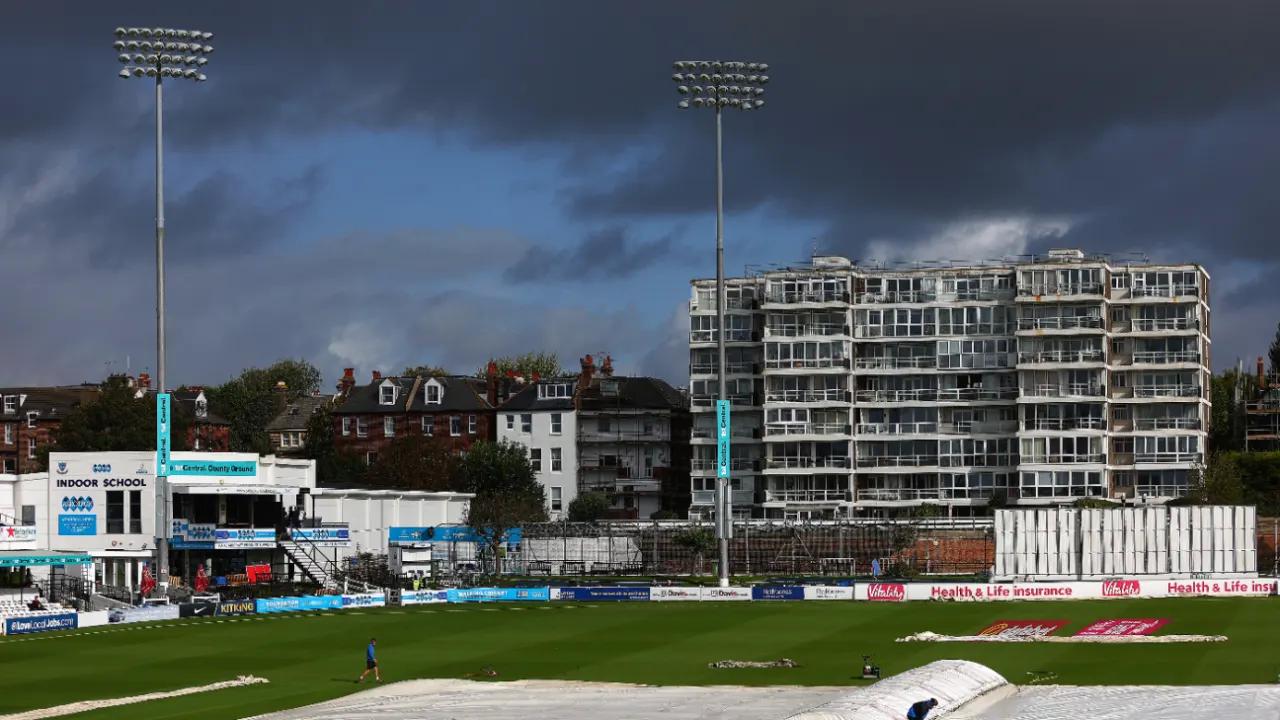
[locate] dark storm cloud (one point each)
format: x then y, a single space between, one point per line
1142 125
605 254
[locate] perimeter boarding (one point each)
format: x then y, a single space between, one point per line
16 620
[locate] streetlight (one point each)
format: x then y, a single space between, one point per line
161 53
718 85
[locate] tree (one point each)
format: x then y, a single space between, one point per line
697 541
333 468
1273 352
589 507
252 400
117 420
541 364
1218 483
506 490
414 463
1228 392
425 371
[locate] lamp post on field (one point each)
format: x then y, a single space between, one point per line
159 53
718 86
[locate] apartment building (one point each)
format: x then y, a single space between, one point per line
859 390
542 418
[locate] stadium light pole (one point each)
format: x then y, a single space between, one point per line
159 53
720 85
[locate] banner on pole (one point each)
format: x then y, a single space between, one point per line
722 438
162 434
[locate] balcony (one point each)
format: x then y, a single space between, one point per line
736 433
1166 423
733 303
893 298
707 402
1160 491
883 461
784 429
654 434
976 393
736 465
601 465
895 363
982 294
911 395
898 494
1061 459
916 428
894 331
1063 322
1062 356
978 427
1162 391
736 497
807 396
1065 390
735 335
781 297
812 329
800 463
1059 424
1164 324
806 496
1171 457
808 364
1165 291
1091 288
1165 357
732 368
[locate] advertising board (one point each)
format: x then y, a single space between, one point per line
11 535
297 604
463 595
445 533
85 489
665 594
244 538
777 592
325 537
237 607
422 597
148 613
364 600
608 594
828 592
729 593
197 609
40 623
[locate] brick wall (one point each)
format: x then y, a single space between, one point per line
409 425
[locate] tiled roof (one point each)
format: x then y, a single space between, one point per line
460 394
633 393
298 413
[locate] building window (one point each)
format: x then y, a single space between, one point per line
555 424
603 425
389 427
7 466
387 394
31 448
511 422
526 423
28 515
346 426
8 433
362 427
555 391
555 460
31 420
455 425
535 459
115 512
557 502
648 426
428 425
11 404
135 512
370 457
471 424
433 394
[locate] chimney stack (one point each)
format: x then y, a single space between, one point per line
144 379
377 375
607 368
588 372
347 382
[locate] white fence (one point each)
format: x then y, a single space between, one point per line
1070 543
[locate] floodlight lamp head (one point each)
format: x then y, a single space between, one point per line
678 77
764 67
124 73
121 32
201 77
124 59
764 79
753 66
683 89
759 104
683 104
118 45
699 102
206 36
184 34
152 72
207 48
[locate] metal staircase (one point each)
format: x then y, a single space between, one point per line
308 558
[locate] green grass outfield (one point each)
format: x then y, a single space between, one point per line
313 657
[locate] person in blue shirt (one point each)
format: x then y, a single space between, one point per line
370 662
920 710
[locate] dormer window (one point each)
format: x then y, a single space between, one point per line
11 404
31 419
202 407
433 392
387 394
555 390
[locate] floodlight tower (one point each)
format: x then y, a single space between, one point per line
718 85
161 53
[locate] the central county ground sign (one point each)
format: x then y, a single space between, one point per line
41 559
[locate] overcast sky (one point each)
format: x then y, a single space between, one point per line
381 184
